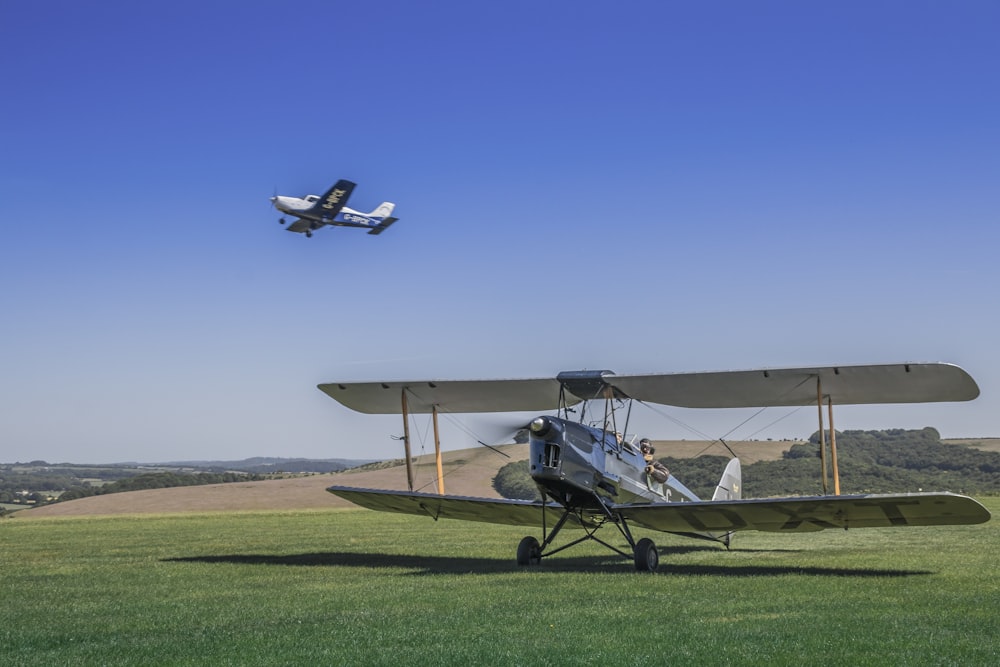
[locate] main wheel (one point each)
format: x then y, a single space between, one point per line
646 556
281 221
529 552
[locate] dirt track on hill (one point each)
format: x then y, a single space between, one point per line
466 473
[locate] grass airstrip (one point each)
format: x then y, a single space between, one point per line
352 587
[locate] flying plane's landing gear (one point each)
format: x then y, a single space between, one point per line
529 552
281 221
646 556
309 234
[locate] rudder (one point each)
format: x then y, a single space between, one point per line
730 487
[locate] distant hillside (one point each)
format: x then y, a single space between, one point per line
40 482
471 472
270 465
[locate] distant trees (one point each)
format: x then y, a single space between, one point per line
513 481
157 480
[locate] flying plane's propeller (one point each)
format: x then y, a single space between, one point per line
274 200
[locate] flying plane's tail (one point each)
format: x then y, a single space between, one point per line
384 210
382 226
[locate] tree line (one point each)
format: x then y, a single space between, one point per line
157 480
887 461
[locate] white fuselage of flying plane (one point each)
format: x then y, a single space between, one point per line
315 211
300 207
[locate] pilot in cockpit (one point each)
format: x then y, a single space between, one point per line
655 469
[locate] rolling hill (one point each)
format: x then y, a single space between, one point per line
467 472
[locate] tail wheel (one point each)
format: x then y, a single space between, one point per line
529 552
646 556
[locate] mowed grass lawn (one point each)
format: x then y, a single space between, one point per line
352 587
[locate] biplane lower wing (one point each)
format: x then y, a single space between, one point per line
798 515
794 515
487 510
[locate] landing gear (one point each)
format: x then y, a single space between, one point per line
529 552
643 552
646 556
281 221
309 234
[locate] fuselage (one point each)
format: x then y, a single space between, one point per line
580 466
302 208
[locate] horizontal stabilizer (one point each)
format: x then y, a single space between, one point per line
383 226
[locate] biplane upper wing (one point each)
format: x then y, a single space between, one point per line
488 510
451 395
845 385
808 514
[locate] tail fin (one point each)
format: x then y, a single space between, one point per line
730 487
384 210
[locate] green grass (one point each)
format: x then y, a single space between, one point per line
360 588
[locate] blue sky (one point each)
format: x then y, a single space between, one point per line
645 187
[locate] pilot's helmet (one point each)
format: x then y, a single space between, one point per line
646 446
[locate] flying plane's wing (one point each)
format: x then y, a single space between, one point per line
846 385
451 395
333 200
808 514
301 225
488 510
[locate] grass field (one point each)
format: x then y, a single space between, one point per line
351 587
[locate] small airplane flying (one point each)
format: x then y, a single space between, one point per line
591 476
314 211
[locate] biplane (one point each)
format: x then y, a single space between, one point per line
314 211
590 476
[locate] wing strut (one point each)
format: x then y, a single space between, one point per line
822 433
437 452
406 442
406 445
833 450
822 440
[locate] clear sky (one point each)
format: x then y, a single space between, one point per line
638 186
